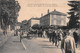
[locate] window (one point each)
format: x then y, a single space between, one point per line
62 17
62 22
54 16
54 22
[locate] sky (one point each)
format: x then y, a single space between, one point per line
34 8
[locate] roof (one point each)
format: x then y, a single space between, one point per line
36 18
33 19
57 13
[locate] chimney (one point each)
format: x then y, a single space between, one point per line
54 9
41 14
48 11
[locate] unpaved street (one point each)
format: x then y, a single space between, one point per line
37 45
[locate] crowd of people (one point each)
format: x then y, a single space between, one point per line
67 39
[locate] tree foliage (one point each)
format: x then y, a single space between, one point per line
24 22
8 13
36 26
74 14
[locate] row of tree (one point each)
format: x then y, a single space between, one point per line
8 13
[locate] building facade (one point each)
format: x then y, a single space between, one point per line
53 18
17 25
32 22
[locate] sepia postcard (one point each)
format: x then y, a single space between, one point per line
39 26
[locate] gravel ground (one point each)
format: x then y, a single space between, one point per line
3 38
12 45
32 46
36 45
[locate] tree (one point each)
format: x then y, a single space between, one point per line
74 14
24 22
36 26
8 13
24 25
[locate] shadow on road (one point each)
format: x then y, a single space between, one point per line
49 47
44 41
45 45
16 41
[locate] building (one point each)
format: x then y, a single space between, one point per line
32 22
53 18
17 25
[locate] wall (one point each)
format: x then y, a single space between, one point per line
58 20
35 22
45 20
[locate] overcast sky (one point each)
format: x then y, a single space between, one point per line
34 8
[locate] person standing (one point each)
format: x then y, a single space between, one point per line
69 44
50 34
21 33
53 37
44 34
62 42
76 37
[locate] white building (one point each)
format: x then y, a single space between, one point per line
17 26
32 22
53 18
35 21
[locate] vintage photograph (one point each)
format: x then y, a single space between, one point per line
39 26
